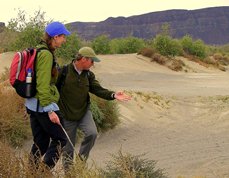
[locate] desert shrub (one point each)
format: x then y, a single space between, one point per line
30 31
218 56
196 48
126 45
187 44
13 126
69 49
133 44
7 37
159 58
199 49
167 46
148 52
225 60
132 166
221 59
105 113
222 68
81 169
176 65
5 75
16 165
101 45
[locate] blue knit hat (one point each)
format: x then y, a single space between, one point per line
56 28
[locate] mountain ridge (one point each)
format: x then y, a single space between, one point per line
208 24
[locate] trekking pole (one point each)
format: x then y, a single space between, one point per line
67 136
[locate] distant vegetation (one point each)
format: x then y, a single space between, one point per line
22 33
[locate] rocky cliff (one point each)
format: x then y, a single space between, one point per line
209 24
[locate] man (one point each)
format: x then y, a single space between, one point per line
75 103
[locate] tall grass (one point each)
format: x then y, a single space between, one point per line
14 126
122 165
132 166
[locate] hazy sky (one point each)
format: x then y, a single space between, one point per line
97 10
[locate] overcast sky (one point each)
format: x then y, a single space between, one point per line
97 10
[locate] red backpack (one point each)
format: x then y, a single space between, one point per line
22 72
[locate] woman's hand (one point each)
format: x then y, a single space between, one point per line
54 117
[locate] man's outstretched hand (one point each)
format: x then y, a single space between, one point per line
121 96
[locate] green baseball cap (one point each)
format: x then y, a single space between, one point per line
89 52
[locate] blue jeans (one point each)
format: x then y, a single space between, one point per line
49 139
88 127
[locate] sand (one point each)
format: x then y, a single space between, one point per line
179 119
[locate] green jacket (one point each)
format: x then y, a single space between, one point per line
46 89
74 94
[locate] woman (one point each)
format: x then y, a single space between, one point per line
45 118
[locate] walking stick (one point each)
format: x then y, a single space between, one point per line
67 136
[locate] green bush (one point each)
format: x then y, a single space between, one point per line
196 48
133 44
101 45
199 49
116 46
126 45
29 31
69 49
105 113
167 46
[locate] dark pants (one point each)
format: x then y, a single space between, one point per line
49 139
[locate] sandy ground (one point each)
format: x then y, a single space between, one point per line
178 119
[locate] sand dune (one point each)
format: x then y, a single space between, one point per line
179 119
184 126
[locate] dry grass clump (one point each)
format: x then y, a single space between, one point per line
148 52
130 166
145 97
171 63
16 165
159 59
5 75
221 59
176 65
218 60
13 126
80 169
209 61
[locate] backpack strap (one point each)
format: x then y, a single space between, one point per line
38 50
61 79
